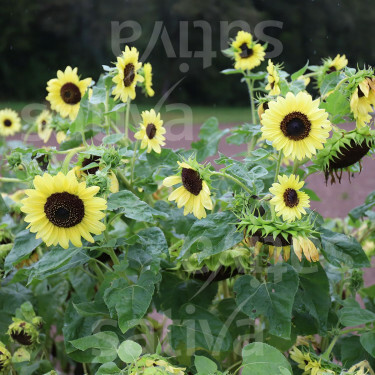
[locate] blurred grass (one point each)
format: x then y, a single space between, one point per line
226 115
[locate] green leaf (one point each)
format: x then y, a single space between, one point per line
129 351
99 92
231 71
273 299
108 369
132 207
24 244
330 82
352 352
339 249
103 344
353 315
368 342
112 138
263 359
211 235
21 355
3 207
313 196
337 105
204 365
299 72
360 211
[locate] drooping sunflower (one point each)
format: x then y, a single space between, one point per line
151 131
10 122
60 209
273 79
43 122
296 125
248 54
338 63
127 74
361 102
23 333
194 193
66 91
147 70
5 359
288 200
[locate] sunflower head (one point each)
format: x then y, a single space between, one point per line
59 209
288 200
66 91
247 53
361 102
10 122
338 63
154 365
43 122
127 75
151 132
5 359
194 192
147 71
263 106
23 333
296 125
273 79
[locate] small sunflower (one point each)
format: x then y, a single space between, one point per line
296 125
288 200
147 70
23 333
361 102
10 122
66 91
127 74
248 54
60 209
263 106
273 79
151 132
338 63
301 358
5 359
43 123
153 364
193 194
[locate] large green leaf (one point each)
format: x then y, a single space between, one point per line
262 359
353 315
360 211
129 351
204 365
340 249
368 342
211 235
273 299
132 207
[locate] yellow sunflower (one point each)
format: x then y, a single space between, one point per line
361 100
147 69
10 122
43 122
296 125
5 358
60 209
151 131
66 91
127 74
288 200
306 246
338 63
248 54
193 194
263 106
273 79
302 359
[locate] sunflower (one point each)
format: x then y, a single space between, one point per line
127 74
296 125
248 54
263 106
60 209
273 79
10 123
43 122
288 200
361 101
302 244
301 358
151 131
66 91
338 63
5 359
23 333
193 194
147 70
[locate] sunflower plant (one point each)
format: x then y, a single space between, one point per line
123 256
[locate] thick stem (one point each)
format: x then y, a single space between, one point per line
135 151
126 135
278 165
68 158
10 179
234 179
329 349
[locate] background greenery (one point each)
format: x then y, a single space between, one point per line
39 37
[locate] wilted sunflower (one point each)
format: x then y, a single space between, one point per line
60 209
23 332
127 74
361 102
153 364
273 79
43 123
10 123
248 54
5 359
288 200
151 131
147 70
66 91
194 193
296 125
338 63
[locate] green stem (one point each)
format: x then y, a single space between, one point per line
10 179
125 181
133 162
126 135
176 245
329 349
233 366
278 165
250 87
106 108
29 131
69 156
98 271
113 256
102 264
234 179
226 292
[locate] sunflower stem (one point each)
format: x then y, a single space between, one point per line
234 179
250 87
126 135
329 349
135 151
106 108
113 256
68 158
98 271
10 179
125 181
278 165
29 131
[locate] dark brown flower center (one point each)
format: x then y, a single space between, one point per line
265 105
245 51
296 126
331 69
43 161
291 198
44 123
64 210
129 75
151 131
191 180
70 93
22 338
88 161
360 93
7 123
